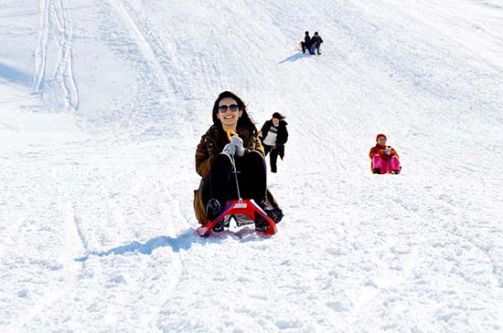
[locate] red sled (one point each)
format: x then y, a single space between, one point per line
246 207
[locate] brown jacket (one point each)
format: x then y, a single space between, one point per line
209 147
379 150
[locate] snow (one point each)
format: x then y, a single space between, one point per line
102 104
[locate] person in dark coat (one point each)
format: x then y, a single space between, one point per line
274 135
306 44
215 155
316 42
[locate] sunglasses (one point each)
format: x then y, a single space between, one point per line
225 108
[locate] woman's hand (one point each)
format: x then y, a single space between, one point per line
237 142
229 149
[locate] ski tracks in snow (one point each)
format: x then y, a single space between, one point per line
430 248
53 77
397 258
73 273
123 230
98 222
155 61
354 250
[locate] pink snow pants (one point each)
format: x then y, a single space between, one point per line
386 166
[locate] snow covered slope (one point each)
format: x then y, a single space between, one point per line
102 104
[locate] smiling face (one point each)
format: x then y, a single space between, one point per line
229 113
381 141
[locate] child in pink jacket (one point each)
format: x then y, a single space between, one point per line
384 159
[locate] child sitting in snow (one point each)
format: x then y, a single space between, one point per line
384 159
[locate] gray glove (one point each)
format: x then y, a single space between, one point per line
229 149
237 142
388 150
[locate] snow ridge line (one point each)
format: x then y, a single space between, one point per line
80 233
56 14
66 68
140 40
163 56
41 50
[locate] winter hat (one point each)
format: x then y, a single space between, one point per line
379 135
278 115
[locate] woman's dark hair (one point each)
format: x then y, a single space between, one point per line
243 121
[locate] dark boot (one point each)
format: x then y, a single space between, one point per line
213 210
376 170
276 214
260 223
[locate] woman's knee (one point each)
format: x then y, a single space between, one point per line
376 161
395 162
221 160
254 157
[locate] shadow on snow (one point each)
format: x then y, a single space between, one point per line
14 75
294 57
183 241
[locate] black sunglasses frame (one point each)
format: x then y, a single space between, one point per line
224 108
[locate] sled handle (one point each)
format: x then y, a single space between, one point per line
231 133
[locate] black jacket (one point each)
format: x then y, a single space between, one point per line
316 40
281 138
307 41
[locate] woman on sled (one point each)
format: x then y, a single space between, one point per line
216 155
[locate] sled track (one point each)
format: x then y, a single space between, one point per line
146 46
41 50
72 227
418 240
78 228
55 15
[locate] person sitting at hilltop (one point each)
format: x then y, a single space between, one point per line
306 44
316 43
